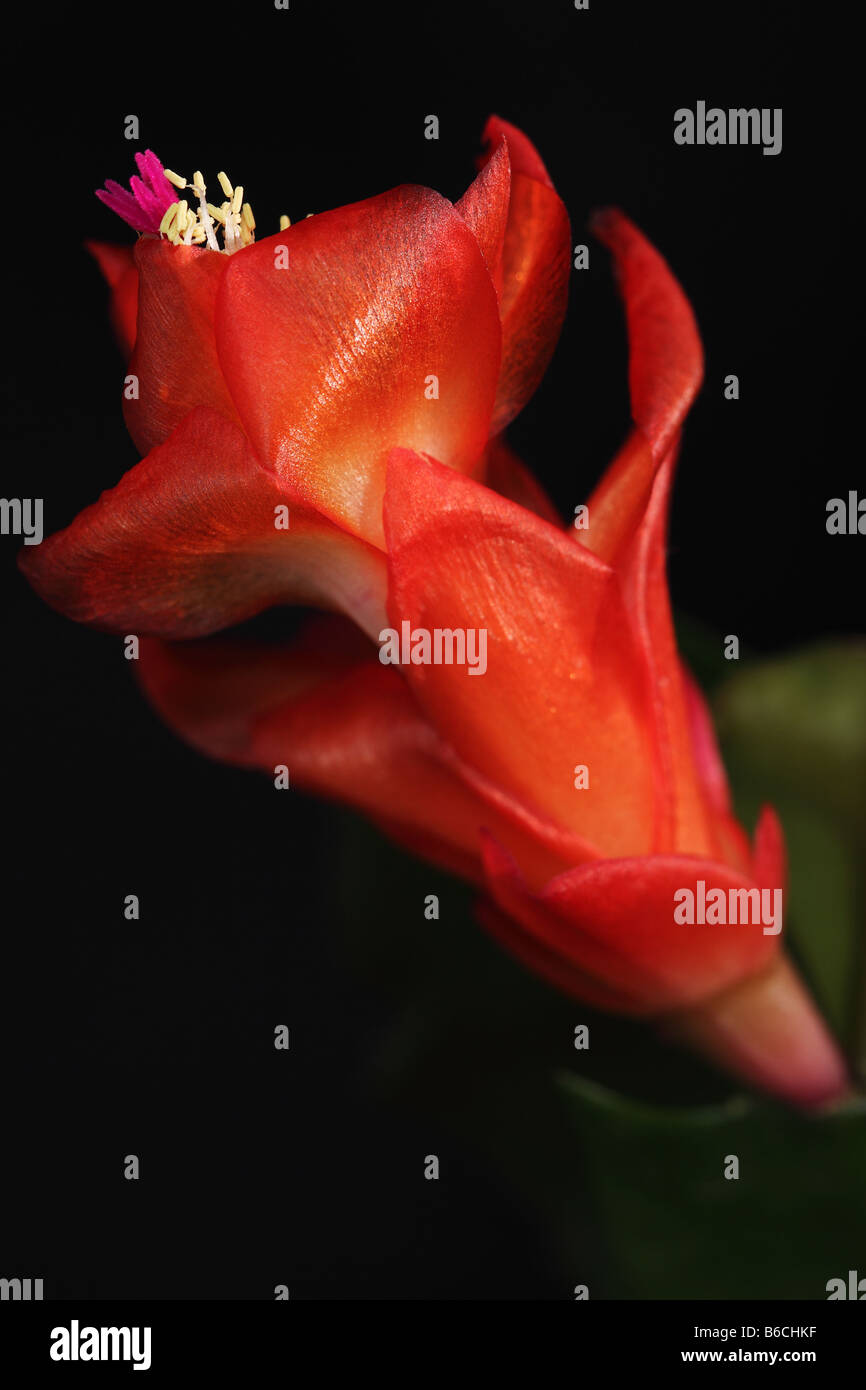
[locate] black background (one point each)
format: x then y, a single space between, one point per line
155 1037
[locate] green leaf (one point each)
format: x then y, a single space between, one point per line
799 723
678 1228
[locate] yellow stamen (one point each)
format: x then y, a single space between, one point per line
167 218
197 225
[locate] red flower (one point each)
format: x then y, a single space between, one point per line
306 381
283 374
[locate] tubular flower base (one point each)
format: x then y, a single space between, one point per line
320 413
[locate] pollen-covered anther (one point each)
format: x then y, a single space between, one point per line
183 225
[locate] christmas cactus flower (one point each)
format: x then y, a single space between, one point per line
280 372
321 413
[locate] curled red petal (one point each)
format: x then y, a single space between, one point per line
548 963
684 819
345 726
484 208
188 543
665 353
375 325
175 358
533 271
665 372
770 860
114 261
615 919
628 526
620 500
117 264
524 157
561 686
705 746
730 838
524 927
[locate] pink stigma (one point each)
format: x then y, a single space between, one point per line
145 207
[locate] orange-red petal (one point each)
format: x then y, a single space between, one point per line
484 208
376 326
628 524
346 727
535 267
561 688
175 358
665 353
188 543
614 919
117 264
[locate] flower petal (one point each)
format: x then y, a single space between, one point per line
117 264
628 527
684 818
562 686
770 861
484 208
535 267
628 524
187 544
523 155
535 937
330 358
665 371
345 726
605 933
620 500
729 835
614 918
705 746
545 962
665 354
175 357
